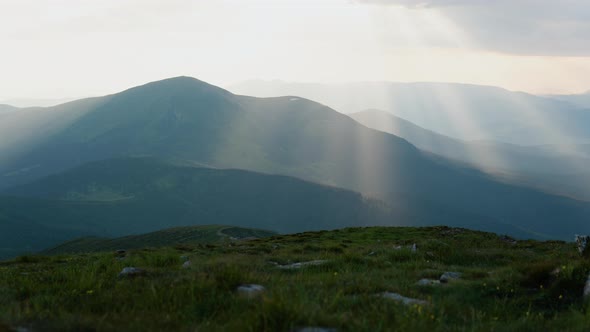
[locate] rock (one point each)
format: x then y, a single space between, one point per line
314 329
397 248
428 282
556 271
582 241
508 239
587 288
403 299
250 290
296 266
186 265
120 254
414 248
131 272
448 276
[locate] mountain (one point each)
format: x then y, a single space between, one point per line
548 169
187 120
581 100
7 108
137 195
468 112
32 102
188 235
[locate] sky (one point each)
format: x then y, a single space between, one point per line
67 48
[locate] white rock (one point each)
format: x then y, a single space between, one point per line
447 276
296 266
403 299
428 282
315 329
131 272
250 290
186 265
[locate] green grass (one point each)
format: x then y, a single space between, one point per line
172 236
504 287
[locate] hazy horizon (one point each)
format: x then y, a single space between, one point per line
23 102
98 48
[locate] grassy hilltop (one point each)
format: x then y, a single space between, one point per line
504 285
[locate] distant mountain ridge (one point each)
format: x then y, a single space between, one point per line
464 111
7 108
534 166
186 120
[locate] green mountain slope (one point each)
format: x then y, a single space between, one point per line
189 120
189 235
132 196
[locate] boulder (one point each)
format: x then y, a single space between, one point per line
428 282
403 299
250 290
299 265
448 276
131 272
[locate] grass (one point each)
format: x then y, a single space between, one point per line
507 287
186 235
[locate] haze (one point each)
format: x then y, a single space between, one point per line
65 49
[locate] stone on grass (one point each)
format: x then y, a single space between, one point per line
250 290
507 239
314 329
131 271
299 265
186 265
428 282
448 276
582 241
402 299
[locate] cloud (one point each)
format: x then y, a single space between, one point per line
524 27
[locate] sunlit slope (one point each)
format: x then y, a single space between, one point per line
542 167
465 111
186 119
188 235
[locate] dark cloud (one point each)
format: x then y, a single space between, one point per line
527 27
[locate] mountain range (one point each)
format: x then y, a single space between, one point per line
544 167
183 152
464 111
